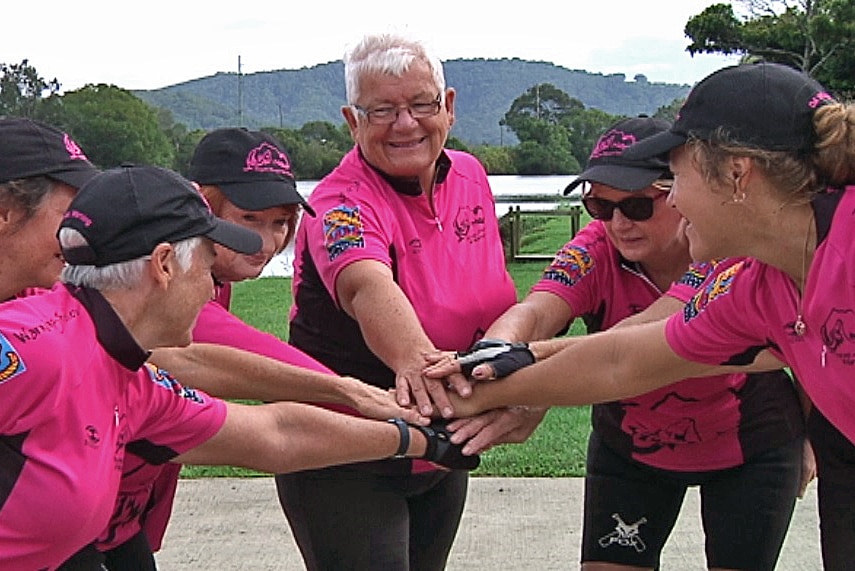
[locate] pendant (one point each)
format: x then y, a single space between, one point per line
799 327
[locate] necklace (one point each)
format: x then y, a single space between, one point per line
799 326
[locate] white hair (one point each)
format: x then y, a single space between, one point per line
122 275
390 54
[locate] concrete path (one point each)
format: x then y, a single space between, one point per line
512 524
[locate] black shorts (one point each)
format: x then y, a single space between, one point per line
631 508
354 518
835 463
133 555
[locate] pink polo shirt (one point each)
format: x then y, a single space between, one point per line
69 367
147 490
446 256
751 306
695 425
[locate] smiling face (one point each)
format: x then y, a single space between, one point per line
31 254
274 225
407 147
709 211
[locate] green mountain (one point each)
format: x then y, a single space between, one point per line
485 90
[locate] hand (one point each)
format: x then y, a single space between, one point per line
808 468
443 452
510 425
487 359
426 392
374 402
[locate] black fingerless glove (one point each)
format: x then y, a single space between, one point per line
504 357
440 449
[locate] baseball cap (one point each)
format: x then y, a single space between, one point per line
250 167
762 105
30 148
608 165
125 212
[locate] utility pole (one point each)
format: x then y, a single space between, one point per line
240 94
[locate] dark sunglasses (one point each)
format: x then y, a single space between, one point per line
635 208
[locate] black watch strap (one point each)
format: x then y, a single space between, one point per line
404 443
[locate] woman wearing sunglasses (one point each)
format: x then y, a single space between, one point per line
739 437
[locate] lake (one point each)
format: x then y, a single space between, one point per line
527 192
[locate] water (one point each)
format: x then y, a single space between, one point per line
527 192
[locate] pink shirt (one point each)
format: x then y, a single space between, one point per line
58 380
447 259
147 491
694 425
750 306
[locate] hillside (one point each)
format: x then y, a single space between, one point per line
485 90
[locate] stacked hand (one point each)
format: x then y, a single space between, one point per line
487 359
442 451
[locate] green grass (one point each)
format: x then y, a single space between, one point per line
557 447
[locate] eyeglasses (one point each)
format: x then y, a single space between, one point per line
388 114
635 208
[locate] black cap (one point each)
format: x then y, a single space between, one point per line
609 166
250 167
29 148
125 212
762 105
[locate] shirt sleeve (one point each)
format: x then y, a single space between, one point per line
347 229
720 324
576 273
169 419
698 272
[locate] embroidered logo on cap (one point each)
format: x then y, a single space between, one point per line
267 158
612 144
74 151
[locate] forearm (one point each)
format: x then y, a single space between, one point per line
389 325
287 437
540 315
597 368
231 373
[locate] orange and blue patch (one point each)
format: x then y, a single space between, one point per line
570 265
11 363
718 286
343 229
165 379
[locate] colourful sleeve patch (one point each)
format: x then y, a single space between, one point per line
696 274
343 229
570 264
718 286
11 363
165 379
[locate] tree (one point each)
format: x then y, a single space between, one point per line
113 126
814 36
22 90
542 103
496 160
550 155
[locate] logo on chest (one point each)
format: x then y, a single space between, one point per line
469 224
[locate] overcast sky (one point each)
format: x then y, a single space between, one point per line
154 43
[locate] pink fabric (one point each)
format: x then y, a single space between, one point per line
449 263
752 304
58 381
693 425
150 489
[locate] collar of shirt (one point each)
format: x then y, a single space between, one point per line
112 333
